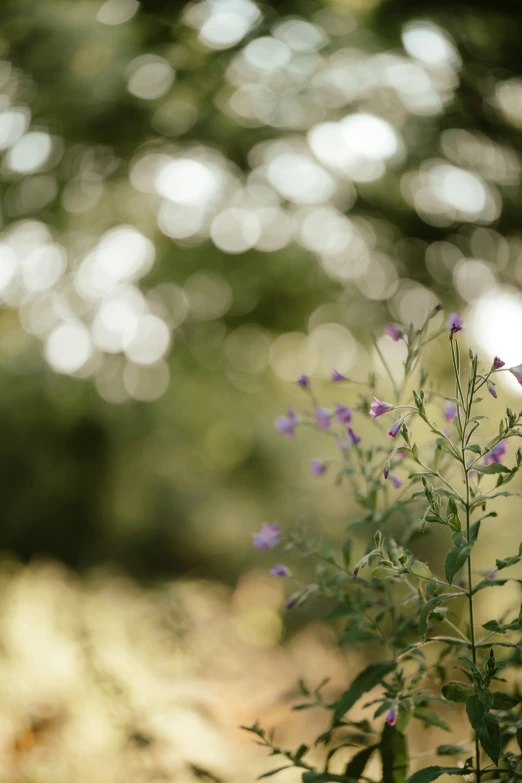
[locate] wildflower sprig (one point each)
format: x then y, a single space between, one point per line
418 618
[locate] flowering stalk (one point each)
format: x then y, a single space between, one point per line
467 403
388 597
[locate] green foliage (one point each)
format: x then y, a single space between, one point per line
356 766
365 681
455 560
428 774
394 755
403 604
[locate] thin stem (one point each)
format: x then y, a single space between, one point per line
431 640
441 477
396 390
457 630
469 402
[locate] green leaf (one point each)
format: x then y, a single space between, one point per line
486 697
490 737
356 634
449 750
382 572
474 669
504 701
489 583
357 764
474 531
342 610
326 553
494 626
455 560
300 752
495 467
519 738
486 727
507 561
430 718
274 772
455 691
394 755
475 711
365 681
453 514
474 447
428 774
421 569
427 610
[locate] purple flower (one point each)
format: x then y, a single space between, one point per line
396 427
355 572
496 453
394 333
378 407
318 467
322 418
287 424
498 363
386 471
450 410
291 602
303 381
396 481
492 390
391 718
280 570
343 414
455 323
400 453
336 377
268 536
353 437
517 372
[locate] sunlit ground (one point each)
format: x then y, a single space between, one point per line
101 680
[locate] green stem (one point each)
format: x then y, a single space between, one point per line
469 402
396 390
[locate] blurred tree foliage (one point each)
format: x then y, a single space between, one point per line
175 484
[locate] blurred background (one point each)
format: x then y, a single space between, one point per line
200 201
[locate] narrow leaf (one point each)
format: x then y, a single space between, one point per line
428 774
455 560
450 750
274 772
495 467
430 718
421 569
365 681
486 727
394 755
357 764
455 691
504 701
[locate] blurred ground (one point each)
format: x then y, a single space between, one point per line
101 680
